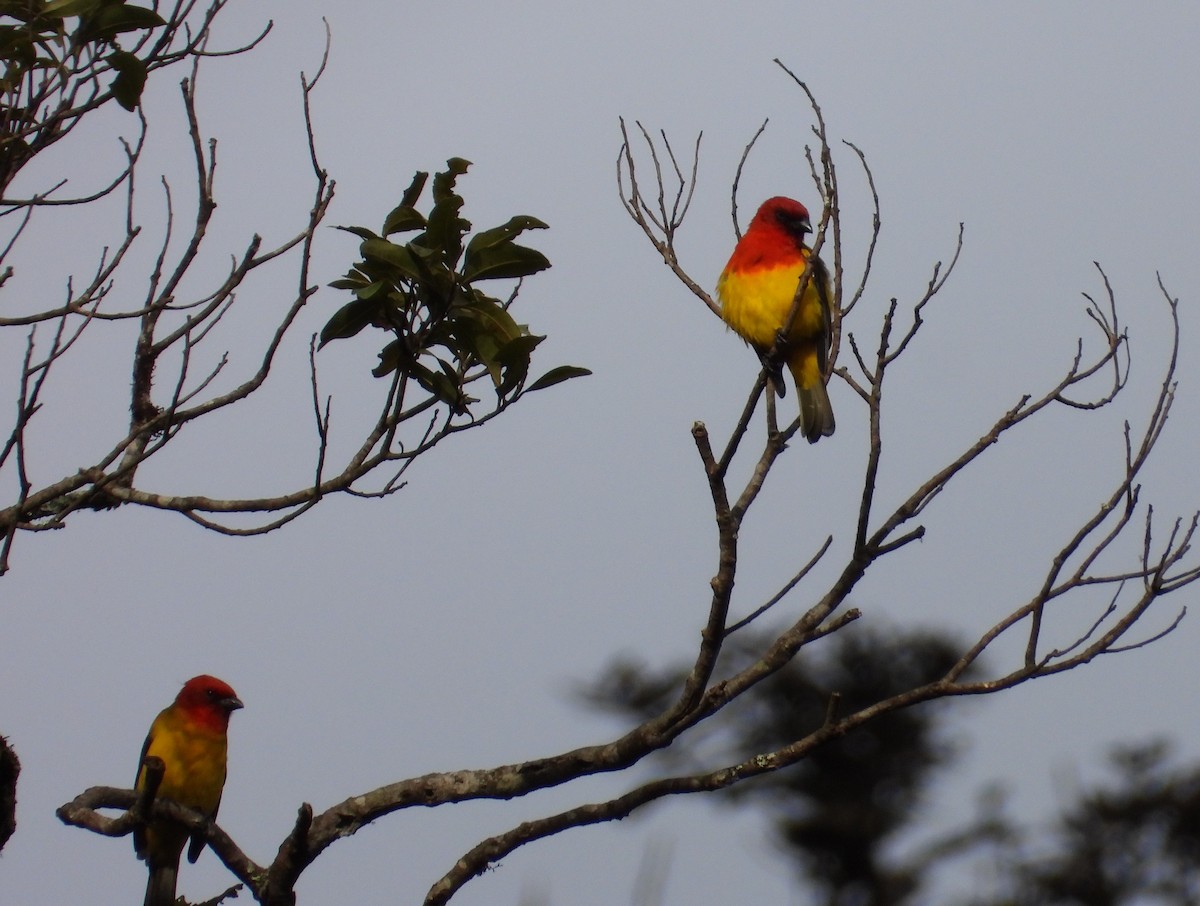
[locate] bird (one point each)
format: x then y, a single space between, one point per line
757 290
190 738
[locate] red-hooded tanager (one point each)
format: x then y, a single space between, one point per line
189 737
757 290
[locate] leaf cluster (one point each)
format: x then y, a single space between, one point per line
39 38
423 294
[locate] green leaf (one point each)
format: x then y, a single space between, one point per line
400 257
557 376
515 356
391 357
452 376
130 18
66 8
115 19
402 219
349 320
492 254
505 232
482 328
16 51
351 282
443 182
441 384
503 261
446 229
491 318
373 291
519 349
414 190
131 78
360 232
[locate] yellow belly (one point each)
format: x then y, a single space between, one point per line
756 304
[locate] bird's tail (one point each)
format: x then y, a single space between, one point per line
816 412
160 889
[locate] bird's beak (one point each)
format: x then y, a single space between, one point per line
232 703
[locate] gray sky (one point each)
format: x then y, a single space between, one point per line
444 628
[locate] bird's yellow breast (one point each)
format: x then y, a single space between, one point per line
195 762
756 302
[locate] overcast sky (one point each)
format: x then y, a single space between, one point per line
445 627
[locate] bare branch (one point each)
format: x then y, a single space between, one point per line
782 593
737 178
661 227
143 806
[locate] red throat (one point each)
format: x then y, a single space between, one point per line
765 245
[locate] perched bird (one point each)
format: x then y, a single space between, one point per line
757 290
189 737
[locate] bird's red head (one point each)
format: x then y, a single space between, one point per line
785 214
208 699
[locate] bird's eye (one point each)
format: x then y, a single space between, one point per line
794 223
